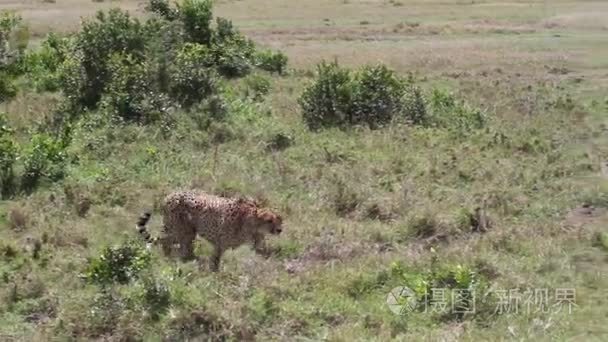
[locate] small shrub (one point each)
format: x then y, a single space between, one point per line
376 97
279 142
7 88
373 96
114 32
461 283
326 102
261 307
45 157
234 56
128 94
424 226
457 115
156 297
162 8
8 156
196 16
257 86
271 61
414 106
14 38
119 264
345 200
192 76
43 65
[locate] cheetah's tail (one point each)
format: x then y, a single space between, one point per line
142 230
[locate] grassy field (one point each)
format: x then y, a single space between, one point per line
365 210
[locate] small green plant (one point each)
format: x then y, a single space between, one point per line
128 94
14 37
372 96
376 97
196 16
44 157
43 65
163 9
119 264
7 88
192 76
257 86
326 102
261 307
8 156
110 33
156 297
452 113
271 61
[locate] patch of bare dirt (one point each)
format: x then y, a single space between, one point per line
328 250
584 215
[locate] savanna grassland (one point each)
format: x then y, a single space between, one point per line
453 145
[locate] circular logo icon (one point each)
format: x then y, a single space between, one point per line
401 300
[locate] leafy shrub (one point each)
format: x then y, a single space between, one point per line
14 38
461 282
8 156
7 88
257 86
43 65
271 61
234 56
162 8
165 40
156 297
455 114
327 101
376 97
119 264
192 75
44 157
114 32
196 16
128 94
414 105
373 95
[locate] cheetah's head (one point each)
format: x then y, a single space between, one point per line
268 222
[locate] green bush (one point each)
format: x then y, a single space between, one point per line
234 56
163 9
326 102
271 61
114 32
196 16
43 65
156 297
372 95
8 156
257 86
119 264
376 97
192 76
7 88
44 157
452 113
128 94
14 39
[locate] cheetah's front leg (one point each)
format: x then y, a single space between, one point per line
186 246
260 247
215 259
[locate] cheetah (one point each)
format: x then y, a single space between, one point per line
226 223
